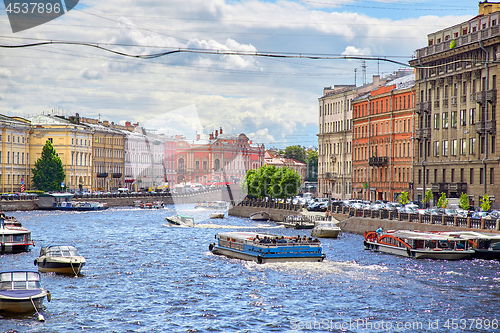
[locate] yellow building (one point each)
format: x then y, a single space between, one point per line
108 144
14 154
73 144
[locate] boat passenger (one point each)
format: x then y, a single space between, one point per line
316 240
282 240
256 239
304 239
379 231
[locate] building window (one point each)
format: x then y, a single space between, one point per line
454 147
445 148
452 174
481 175
445 120
420 176
454 119
51 140
435 175
463 117
472 116
493 142
436 148
471 176
463 146
436 121
472 146
492 175
444 175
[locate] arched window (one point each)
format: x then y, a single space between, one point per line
216 164
180 163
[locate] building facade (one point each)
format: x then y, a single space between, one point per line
457 76
15 171
279 161
383 141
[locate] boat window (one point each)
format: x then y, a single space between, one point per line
6 277
6 285
19 276
33 276
496 246
18 238
34 285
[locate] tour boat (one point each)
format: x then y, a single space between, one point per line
263 247
14 239
217 215
60 259
260 216
21 291
212 204
325 229
415 244
137 203
81 205
486 245
180 221
152 205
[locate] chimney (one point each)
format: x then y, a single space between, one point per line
216 133
127 124
220 131
197 137
211 136
376 80
136 124
105 123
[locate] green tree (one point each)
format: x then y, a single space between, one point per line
464 201
485 203
442 202
48 173
312 165
271 181
296 152
404 198
428 197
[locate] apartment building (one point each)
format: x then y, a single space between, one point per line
383 141
456 83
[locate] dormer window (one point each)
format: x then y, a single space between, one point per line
438 40
484 25
455 34
430 42
464 31
493 22
474 29
447 37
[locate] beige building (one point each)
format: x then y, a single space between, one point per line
14 154
457 76
73 144
108 147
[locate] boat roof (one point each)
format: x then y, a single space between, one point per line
420 235
469 234
59 246
19 271
246 235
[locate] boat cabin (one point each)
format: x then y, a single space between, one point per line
59 251
19 280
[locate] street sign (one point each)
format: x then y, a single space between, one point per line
62 184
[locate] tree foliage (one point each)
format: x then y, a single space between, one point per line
428 197
442 202
404 198
485 203
271 181
296 152
48 173
464 201
312 165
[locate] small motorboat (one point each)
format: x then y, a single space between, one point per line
152 205
180 221
325 229
260 216
21 291
137 203
217 215
60 259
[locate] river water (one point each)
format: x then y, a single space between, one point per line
142 276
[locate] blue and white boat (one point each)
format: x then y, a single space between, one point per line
21 291
263 247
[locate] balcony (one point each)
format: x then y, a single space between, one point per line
102 175
445 101
331 175
478 97
458 187
378 161
463 99
423 107
436 104
423 133
439 187
489 126
453 100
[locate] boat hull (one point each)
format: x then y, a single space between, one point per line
418 254
21 304
486 254
60 267
260 216
325 233
263 259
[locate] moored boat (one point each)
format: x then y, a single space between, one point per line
217 215
263 247
21 291
212 204
260 216
60 259
81 205
415 244
486 245
325 229
180 221
152 205
14 239
137 203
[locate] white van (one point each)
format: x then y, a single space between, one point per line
123 190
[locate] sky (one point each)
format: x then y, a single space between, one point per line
272 100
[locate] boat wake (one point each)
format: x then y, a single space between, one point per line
218 226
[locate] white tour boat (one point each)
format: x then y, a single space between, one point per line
14 238
415 244
60 259
263 247
325 229
260 216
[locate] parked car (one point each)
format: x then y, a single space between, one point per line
481 215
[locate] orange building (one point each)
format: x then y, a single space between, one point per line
383 132
221 158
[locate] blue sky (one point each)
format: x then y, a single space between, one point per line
273 101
